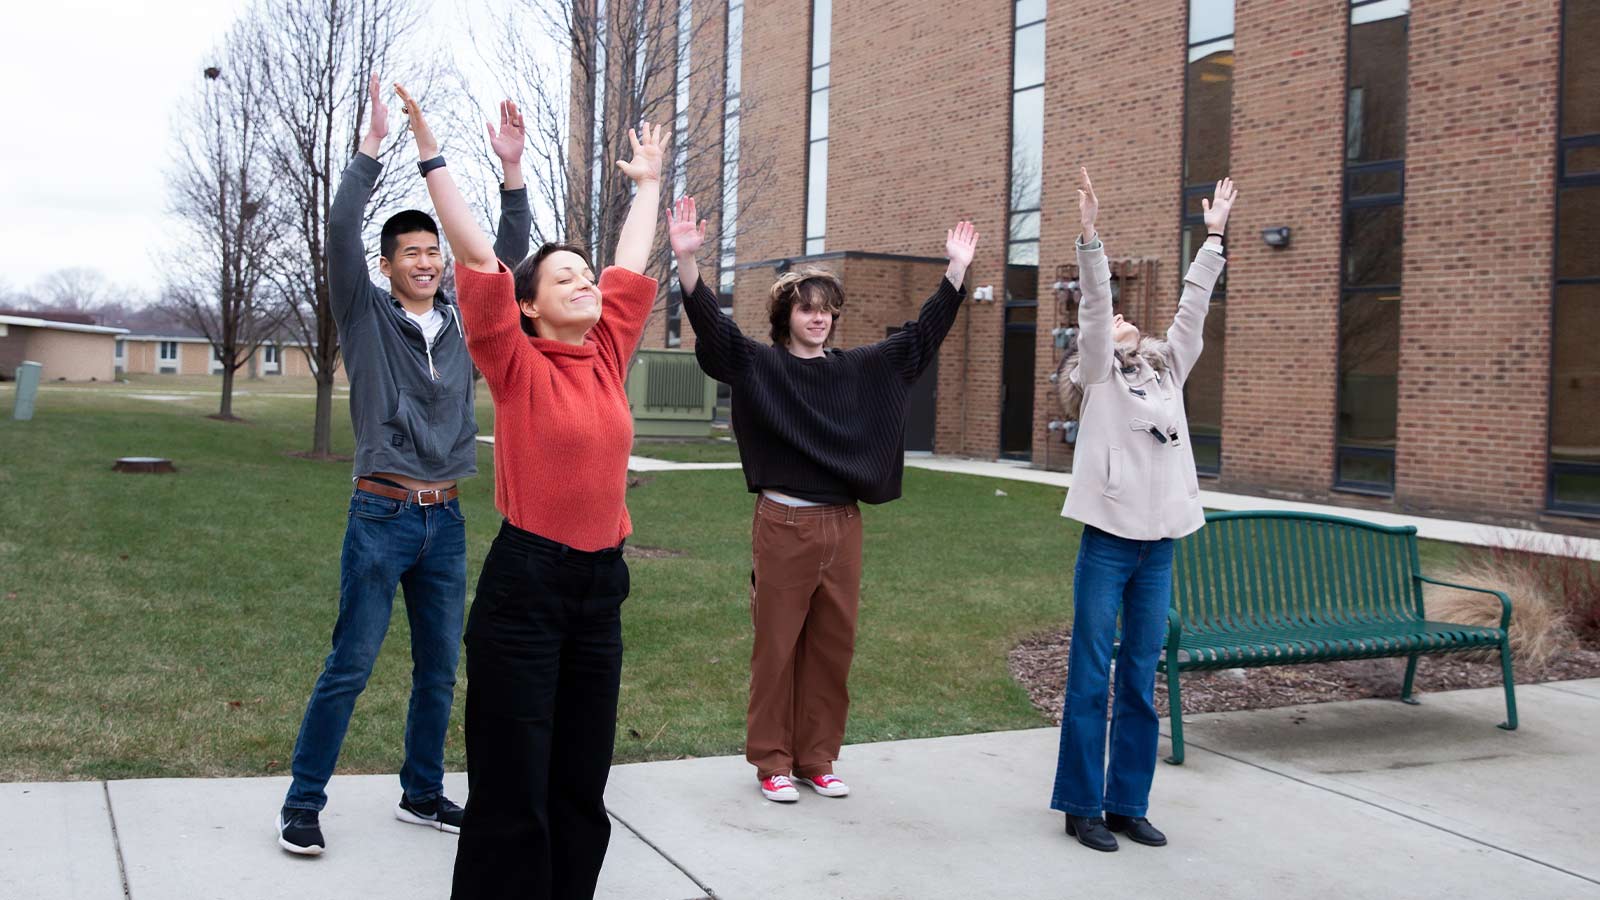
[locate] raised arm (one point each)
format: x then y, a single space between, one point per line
639 229
1095 344
626 293
720 347
516 217
349 281
468 243
1186 337
912 348
484 288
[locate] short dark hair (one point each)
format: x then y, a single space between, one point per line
808 287
407 221
525 277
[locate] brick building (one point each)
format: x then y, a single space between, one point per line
1422 331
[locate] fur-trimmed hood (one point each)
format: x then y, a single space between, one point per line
1069 387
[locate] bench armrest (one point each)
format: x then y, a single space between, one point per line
1505 601
1174 631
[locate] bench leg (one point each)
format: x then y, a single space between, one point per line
1175 712
1411 677
1510 724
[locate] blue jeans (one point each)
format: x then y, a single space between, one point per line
388 544
1135 577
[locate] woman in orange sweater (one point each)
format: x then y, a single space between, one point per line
544 637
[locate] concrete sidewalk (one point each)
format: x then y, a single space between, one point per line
1339 800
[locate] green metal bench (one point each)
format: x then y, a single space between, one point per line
1277 588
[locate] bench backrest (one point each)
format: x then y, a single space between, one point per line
1266 568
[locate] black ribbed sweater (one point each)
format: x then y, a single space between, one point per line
830 429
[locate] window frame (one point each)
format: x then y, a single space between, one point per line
1565 181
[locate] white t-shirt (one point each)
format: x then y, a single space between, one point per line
430 322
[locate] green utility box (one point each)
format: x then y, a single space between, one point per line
27 389
669 394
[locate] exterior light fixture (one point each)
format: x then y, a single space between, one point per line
1276 237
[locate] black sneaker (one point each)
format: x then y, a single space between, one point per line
300 832
437 813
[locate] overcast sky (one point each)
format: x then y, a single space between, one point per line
92 87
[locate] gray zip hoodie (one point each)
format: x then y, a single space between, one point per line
411 405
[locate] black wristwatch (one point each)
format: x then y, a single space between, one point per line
428 165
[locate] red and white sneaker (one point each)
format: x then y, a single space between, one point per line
827 785
779 788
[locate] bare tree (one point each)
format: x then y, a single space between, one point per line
221 199
612 64
318 56
75 289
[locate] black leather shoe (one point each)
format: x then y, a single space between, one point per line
1091 832
1138 829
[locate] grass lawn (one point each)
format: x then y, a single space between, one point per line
174 625
702 451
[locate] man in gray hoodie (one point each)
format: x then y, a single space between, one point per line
411 396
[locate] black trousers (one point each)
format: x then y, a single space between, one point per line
544 665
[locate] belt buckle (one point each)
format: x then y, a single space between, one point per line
423 498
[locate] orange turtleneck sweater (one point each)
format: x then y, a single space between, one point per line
562 427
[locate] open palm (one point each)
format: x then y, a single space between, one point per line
1220 206
684 233
378 126
508 141
649 149
960 243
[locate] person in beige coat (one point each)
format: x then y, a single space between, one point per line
1134 490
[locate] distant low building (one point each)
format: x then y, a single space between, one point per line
169 353
67 350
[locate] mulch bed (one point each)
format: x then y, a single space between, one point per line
1039 664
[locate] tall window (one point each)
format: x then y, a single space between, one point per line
817 148
680 161
169 351
1575 364
1022 229
1207 131
1374 191
730 150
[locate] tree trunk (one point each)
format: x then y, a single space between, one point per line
322 431
226 412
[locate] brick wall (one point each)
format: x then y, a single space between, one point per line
1113 103
1474 319
1282 328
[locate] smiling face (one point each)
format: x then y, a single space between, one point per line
1123 332
810 323
566 295
414 267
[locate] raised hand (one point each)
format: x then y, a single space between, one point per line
378 122
1088 204
508 141
1220 206
649 149
960 243
686 237
427 144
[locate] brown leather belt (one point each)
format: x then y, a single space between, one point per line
420 498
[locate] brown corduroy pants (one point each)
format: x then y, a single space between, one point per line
804 595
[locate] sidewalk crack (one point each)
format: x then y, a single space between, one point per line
709 893
116 840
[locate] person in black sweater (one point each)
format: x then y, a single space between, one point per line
818 430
